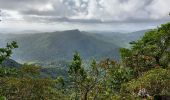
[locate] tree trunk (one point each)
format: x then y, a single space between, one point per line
158 61
85 96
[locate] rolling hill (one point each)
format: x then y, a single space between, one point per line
60 46
119 39
53 50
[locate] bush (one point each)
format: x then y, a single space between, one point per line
155 81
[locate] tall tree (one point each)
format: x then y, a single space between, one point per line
77 74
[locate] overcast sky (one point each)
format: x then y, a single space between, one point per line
100 15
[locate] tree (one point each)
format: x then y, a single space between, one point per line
30 70
150 51
26 85
77 74
90 83
155 81
7 51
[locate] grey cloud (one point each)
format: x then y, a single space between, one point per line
46 19
49 19
90 11
58 11
19 4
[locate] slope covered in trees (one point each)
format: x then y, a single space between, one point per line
60 45
142 73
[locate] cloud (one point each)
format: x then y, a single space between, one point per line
86 11
121 10
11 15
158 9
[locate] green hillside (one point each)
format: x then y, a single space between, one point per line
60 46
120 39
143 71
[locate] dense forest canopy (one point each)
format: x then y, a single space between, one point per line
143 72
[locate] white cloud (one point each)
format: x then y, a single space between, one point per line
87 12
77 3
159 9
130 9
11 15
47 7
104 10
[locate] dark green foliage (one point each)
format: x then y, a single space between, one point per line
150 51
6 52
2 98
99 81
156 81
22 88
30 70
119 76
23 83
144 67
6 72
77 74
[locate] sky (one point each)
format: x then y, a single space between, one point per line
85 15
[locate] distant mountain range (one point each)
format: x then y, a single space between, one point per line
61 45
120 39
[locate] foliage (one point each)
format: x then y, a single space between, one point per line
27 86
30 70
155 81
100 81
150 51
6 52
6 72
144 66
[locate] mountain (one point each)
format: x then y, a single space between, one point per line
133 36
60 45
53 50
10 63
120 39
